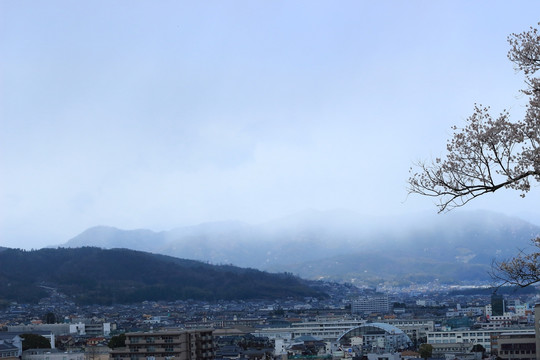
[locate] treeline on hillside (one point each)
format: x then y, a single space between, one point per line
97 276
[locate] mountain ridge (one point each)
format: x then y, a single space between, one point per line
303 242
90 275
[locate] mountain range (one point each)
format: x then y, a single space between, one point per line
342 246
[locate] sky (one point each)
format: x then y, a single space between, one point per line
160 114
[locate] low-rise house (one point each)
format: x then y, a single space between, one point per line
100 340
8 351
97 352
9 342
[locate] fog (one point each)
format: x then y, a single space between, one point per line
161 115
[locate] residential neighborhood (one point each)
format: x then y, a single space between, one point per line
418 322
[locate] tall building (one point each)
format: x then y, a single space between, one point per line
166 345
497 305
371 304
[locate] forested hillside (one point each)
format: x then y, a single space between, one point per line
92 275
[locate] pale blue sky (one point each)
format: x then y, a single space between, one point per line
157 114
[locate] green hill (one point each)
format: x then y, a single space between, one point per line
96 276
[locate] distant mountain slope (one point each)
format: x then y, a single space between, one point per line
459 246
110 237
374 268
93 275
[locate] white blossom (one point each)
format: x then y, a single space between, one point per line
493 152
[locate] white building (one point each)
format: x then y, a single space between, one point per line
371 304
328 330
469 337
10 345
15 337
414 328
51 354
91 329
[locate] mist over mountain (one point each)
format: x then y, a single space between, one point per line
341 245
110 237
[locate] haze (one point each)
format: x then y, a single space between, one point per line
142 114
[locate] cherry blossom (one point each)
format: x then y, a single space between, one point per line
493 152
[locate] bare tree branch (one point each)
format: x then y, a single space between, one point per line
492 153
522 270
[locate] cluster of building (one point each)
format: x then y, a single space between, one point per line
361 325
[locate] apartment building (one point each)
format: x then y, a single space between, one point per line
371 304
486 338
166 345
517 346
